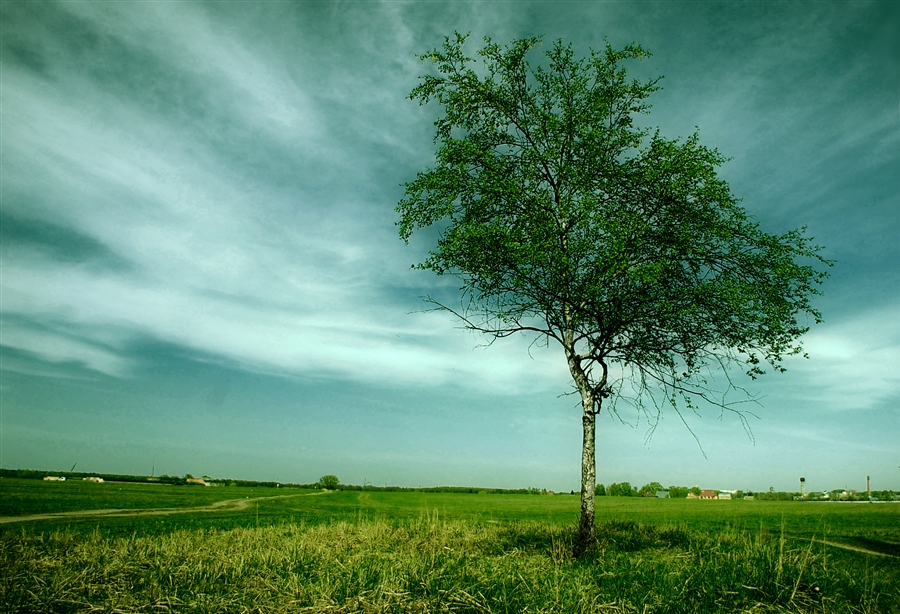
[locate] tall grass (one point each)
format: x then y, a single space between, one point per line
426 565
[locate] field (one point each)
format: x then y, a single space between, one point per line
284 550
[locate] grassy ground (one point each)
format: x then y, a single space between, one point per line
418 552
798 519
436 566
19 497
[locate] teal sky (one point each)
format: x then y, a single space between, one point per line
200 272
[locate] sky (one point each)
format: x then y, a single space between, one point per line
200 270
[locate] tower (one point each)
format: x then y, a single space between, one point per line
802 487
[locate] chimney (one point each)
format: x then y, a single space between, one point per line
868 488
802 487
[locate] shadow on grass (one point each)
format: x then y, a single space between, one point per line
874 545
627 536
621 536
532 537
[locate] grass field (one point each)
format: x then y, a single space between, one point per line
422 552
19 497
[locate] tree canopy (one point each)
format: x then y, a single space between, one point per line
564 219
330 481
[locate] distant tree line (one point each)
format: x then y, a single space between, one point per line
39 474
332 482
625 489
449 489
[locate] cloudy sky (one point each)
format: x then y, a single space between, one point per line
201 271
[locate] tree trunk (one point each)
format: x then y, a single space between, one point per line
588 476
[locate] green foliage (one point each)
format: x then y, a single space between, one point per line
563 219
600 490
775 496
623 489
651 488
678 492
331 482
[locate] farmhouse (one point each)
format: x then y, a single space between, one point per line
54 478
708 494
96 479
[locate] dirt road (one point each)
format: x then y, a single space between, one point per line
231 505
853 548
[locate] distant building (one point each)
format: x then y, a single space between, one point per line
691 495
54 478
708 494
724 495
198 481
99 480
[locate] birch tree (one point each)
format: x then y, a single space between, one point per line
565 220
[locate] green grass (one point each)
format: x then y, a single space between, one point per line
875 524
802 518
430 565
21 497
427 552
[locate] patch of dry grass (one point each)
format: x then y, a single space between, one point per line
432 566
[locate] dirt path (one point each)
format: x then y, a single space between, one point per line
860 549
231 505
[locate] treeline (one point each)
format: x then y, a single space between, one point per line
447 489
620 489
625 489
38 474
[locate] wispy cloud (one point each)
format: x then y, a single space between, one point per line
99 352
853 363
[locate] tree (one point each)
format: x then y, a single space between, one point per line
651 488
331 482
678 492
565 220
621 490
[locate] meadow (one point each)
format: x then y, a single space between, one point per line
294 550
